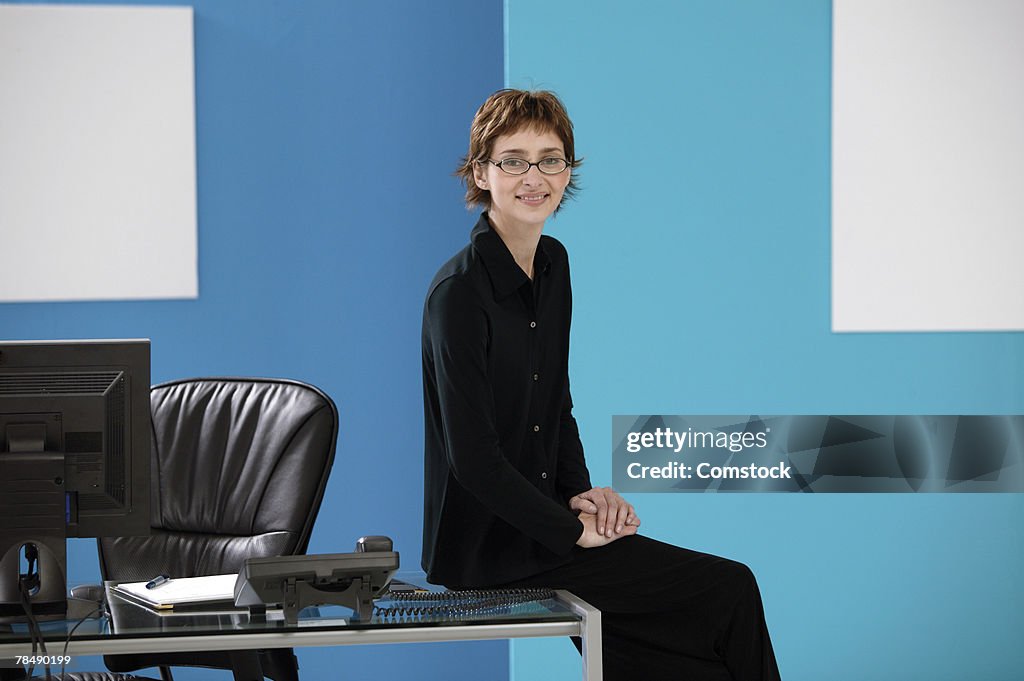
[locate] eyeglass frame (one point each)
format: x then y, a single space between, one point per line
568 164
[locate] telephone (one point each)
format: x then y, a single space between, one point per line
296 582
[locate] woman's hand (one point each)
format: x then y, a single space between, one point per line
592 538
613 514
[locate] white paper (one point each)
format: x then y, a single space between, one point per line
185 590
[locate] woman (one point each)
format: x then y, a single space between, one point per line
508 499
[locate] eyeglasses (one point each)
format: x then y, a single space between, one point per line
519 166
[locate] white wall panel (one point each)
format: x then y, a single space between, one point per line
928 165
97 153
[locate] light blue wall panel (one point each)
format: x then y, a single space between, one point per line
327 132
700 253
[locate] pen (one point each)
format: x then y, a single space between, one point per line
157 581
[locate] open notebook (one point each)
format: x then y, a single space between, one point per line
181 592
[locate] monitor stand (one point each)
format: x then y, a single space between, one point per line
44 577
33 529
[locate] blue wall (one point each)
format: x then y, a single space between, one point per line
700 248
327 132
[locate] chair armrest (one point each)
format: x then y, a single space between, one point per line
88 592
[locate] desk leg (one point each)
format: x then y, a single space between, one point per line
245 665
590 633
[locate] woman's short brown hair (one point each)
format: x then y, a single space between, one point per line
507 112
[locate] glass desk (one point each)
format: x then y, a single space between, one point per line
131 628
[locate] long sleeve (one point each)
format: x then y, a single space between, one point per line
573 476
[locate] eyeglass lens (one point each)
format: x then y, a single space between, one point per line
518 166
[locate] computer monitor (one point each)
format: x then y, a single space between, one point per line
74 459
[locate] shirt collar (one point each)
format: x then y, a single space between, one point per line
506 275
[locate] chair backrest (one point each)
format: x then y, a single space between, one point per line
239 470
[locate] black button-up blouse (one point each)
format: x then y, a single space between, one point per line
502 450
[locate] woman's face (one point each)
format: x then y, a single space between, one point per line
525 200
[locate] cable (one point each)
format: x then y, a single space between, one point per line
35 632
64 652
26 606
451 605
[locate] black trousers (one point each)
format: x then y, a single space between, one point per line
669 613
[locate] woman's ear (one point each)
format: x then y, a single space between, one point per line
479 176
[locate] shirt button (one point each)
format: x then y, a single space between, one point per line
536 429
536 377
533 325
544 476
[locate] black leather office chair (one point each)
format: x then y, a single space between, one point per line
239 470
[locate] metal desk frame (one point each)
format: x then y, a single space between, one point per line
588 628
